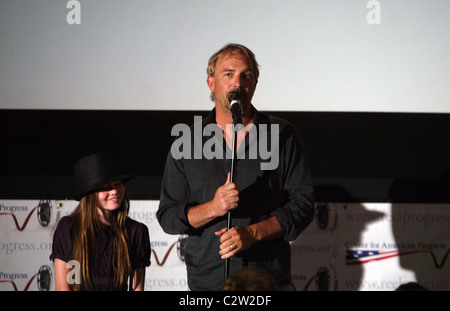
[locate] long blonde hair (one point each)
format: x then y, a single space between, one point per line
85 232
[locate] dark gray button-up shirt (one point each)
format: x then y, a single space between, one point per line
282 188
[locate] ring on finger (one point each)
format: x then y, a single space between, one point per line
232 247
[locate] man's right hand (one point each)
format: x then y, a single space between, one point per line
225 199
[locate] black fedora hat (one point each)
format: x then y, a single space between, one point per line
95 171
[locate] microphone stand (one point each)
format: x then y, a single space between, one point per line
237 119
233 157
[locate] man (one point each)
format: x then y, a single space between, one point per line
269 207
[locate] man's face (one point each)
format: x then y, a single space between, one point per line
234 72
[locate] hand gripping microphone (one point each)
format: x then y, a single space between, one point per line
236 108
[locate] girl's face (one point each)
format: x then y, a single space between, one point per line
109 197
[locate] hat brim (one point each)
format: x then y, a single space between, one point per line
94 187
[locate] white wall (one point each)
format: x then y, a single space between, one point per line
319 55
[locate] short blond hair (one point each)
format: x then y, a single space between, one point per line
231 48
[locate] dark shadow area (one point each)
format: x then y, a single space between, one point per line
421 231
361 152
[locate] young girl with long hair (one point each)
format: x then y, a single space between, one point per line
98 247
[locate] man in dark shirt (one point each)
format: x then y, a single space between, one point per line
270 198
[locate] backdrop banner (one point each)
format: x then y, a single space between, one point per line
348 247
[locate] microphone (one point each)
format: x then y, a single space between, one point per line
236 108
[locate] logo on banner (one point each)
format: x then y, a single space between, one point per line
179 245
43 279
326 218
325 279
360 257
43 212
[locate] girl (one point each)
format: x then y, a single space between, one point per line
98 247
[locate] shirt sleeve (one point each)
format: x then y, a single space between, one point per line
61 247
298 212
175 200
140 246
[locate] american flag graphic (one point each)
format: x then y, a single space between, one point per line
359 257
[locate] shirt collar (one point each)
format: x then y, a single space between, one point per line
211 118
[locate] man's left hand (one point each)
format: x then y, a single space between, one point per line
235 240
